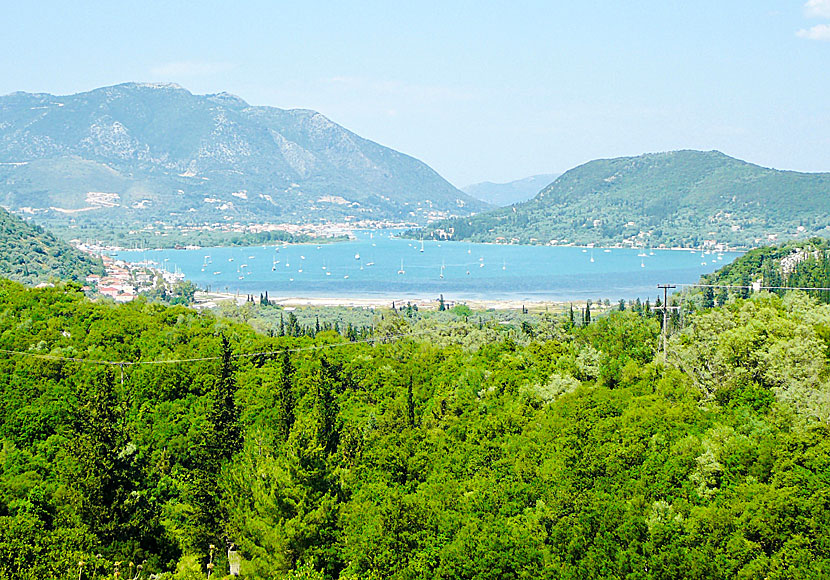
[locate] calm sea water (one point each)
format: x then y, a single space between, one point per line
379 265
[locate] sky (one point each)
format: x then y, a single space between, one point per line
480 91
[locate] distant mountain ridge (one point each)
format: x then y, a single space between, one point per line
517 191
32 255
148 151
679 198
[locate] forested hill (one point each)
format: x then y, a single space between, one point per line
450 449
146 152
30 254
681 198
802 264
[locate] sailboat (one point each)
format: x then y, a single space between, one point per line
422 245
401 271
504 264
592 255
441 274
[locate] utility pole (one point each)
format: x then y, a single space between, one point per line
666 309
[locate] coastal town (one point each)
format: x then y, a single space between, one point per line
124 281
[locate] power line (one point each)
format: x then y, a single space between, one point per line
753 287
123 364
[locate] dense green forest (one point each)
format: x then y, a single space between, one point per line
679 198
801 264
32 255
566 447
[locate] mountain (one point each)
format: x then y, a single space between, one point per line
502 194
32 255
679 198
144 152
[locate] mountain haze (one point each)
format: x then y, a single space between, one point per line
502 194
678 198
141 152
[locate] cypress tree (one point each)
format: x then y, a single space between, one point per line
285 398
410 405
224 415
326 410
708 297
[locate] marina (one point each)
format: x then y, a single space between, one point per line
378 264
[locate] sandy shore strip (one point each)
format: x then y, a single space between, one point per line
213 299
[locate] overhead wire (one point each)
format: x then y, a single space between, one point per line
125 363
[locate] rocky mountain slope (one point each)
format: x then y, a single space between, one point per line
145 152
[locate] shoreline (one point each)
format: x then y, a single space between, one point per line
214 299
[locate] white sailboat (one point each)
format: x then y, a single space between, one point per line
401 271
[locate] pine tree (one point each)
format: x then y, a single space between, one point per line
588 312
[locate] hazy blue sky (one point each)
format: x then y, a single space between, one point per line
478 90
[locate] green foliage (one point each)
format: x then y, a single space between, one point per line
803 264
32 255
680 198
467 450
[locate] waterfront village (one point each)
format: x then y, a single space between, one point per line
124 281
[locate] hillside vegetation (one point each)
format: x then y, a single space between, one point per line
681 198
457 449
802 264
32 255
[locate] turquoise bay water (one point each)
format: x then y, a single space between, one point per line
379 265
